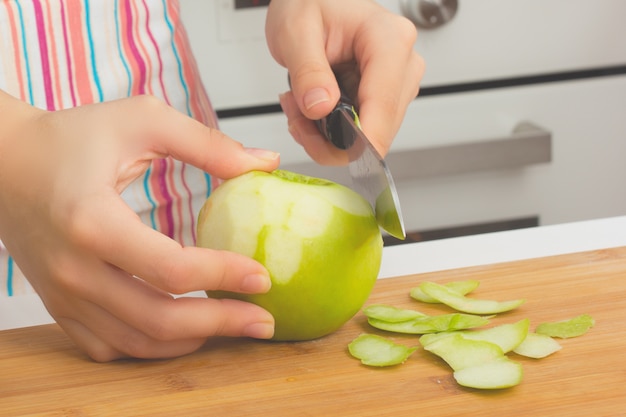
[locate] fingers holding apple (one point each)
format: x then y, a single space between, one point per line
319 241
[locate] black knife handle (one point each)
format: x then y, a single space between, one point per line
335 128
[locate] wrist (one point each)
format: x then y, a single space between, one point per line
13 114
15 117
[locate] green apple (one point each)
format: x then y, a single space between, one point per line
318 239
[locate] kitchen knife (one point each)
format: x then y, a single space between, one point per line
369 173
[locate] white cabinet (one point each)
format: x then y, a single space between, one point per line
496 64
486 40
586 177
494 39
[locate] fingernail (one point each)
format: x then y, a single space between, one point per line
295 133
282 101
256 283
263 154
315 96
261 330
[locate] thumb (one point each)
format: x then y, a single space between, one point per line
314 87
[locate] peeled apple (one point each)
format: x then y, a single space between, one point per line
318 239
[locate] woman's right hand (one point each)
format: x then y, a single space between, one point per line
104 276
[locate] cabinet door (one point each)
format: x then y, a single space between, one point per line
494 39
486 40
584 178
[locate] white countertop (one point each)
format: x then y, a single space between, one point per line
436 255
489 248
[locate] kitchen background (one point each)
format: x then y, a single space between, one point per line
521 119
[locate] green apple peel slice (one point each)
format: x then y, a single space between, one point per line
405 327
390 313
497 374
476 363
506 336
537 346
467 305
461 353
574 327
456 321
374 350
461 287
431 324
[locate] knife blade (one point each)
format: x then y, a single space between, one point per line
368 170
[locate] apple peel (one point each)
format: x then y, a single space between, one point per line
476 363
374 350
462 303
391 314
573 327
507 336
497 374
431 324
461 287
478 357
537 346
461 353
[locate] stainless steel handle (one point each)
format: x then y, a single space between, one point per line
528 144
429 14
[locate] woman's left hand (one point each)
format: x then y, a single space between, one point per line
368 47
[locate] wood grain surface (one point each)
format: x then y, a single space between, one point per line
42 373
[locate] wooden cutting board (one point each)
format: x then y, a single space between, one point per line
42 373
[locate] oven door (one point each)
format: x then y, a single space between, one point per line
519 121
